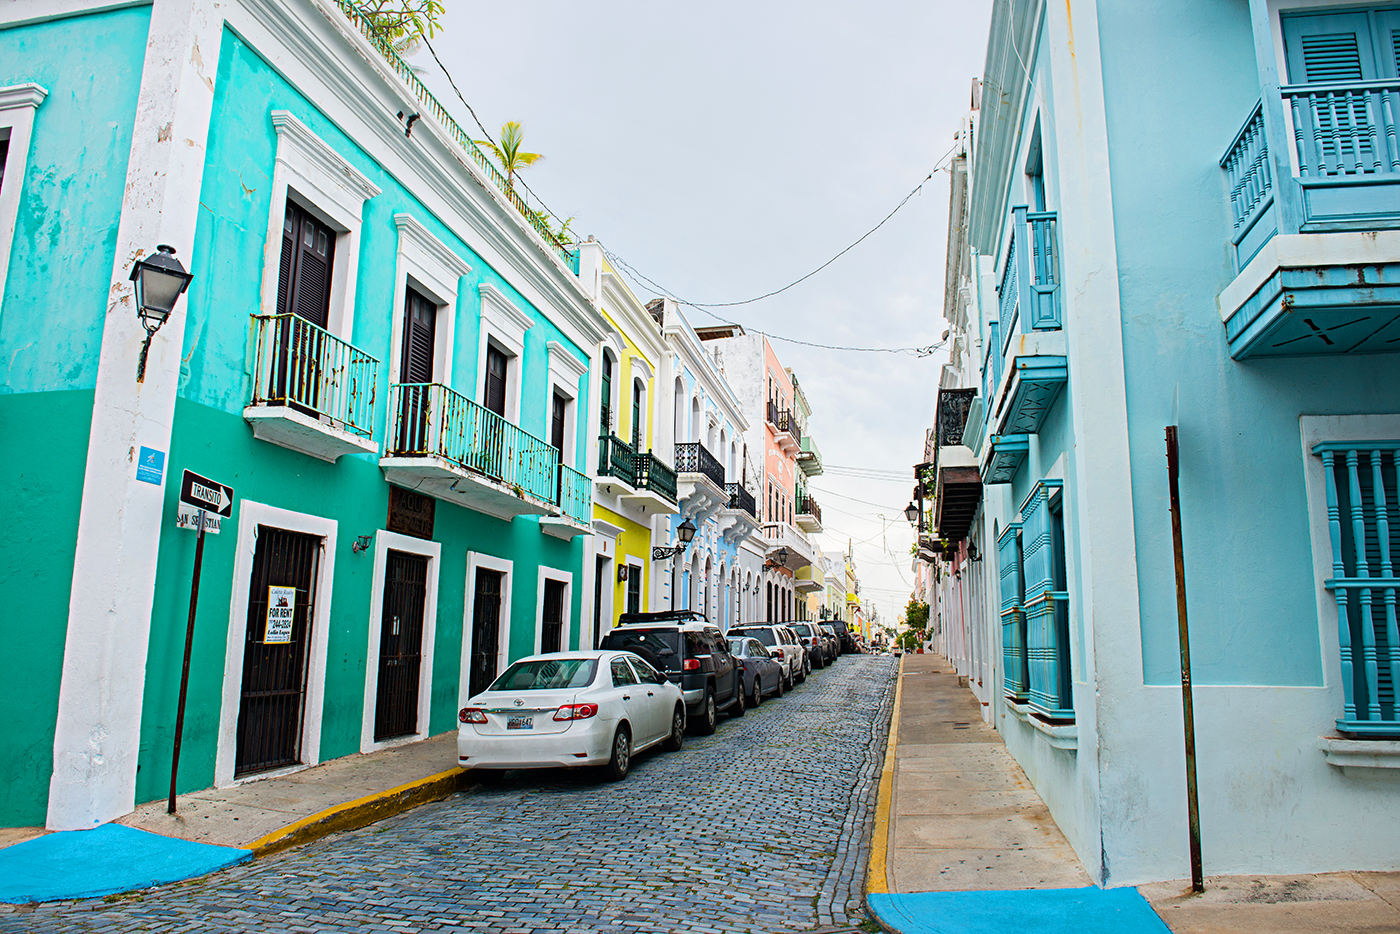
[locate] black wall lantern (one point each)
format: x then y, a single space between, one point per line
911 512
779 560
160 279
685 532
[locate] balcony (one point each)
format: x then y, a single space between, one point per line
575 501
739 517
809 515
787 431
312 391
957 487
617 466
781 536
1029 366
655 485
809 458
699 481
1004 456
1314 184
809 580
444 445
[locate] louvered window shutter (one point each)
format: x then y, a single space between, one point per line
1385 29
419 337
304 271
556 430
496 381
1328 48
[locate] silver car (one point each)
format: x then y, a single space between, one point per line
779 640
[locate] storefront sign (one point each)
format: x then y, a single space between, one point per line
410 513
281 604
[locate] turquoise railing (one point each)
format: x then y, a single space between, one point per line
1041 269
534 216
432 420
308 368
1013 614
1009 293
575 495
1345 129
1363 523
1246 165
1046 607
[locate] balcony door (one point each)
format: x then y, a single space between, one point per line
304 294
416 371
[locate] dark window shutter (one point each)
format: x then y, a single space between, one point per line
636 416
284 269
1329 47
496 381
556 429
304 271
419 338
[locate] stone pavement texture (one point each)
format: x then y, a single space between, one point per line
972 848
762 827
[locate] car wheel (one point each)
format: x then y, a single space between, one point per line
673 742
802 672
488 777
705 726
821 661
621 761
741 702
784 682
757 690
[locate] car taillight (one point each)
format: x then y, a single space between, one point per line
576 712
471 715
690 664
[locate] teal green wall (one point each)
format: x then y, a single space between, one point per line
51 317
66 231
39 490
211 438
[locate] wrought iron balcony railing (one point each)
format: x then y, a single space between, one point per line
307 368
616 458
536 217
740 498
808 507
575 495
432 420
656 475
692 457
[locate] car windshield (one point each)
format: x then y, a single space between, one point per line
737 646
657 646
547 674
803 629
762 635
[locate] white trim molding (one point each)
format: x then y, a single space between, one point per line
505 325
567 623
18 103
477 560
251 515
436 273
384 541
318 179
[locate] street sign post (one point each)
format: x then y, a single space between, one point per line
203 502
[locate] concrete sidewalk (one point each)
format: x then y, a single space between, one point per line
964 843
218 827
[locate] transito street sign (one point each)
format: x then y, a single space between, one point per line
198 493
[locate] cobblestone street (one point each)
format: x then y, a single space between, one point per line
759 828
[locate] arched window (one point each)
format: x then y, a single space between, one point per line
605 396
694 419
719 453
637 421
679 434
768 592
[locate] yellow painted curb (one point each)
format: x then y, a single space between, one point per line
876 879
361 812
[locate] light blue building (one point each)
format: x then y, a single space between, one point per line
387 360
1181 213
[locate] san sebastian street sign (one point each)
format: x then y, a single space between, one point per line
200 494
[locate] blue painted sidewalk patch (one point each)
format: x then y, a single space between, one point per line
1090 910
102 861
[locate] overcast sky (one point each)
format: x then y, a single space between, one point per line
728 148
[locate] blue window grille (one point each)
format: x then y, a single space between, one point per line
1013 614
1364 528
1046 602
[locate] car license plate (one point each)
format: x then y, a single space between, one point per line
520 723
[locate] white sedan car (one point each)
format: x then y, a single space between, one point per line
570 709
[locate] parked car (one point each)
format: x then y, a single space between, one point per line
814 641
849 641
570 709
763 674
693 654
826 626
781 642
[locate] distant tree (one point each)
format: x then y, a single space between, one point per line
508 153
916 614
404 24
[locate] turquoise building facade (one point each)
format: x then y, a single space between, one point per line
384 357
1180 214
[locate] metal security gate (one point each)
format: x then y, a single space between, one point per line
401 644
275 651
552 631
486 629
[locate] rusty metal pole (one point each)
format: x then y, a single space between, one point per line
1193 813
185 672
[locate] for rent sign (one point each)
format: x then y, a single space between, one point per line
281 605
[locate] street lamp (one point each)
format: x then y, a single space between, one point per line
780 560
911 512
685 532
160 279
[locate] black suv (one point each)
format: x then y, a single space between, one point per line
843 634
693 653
